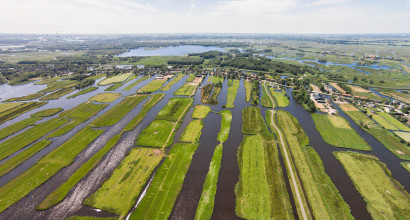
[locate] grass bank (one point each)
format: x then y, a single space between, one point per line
185 90
153 86
225 125
11 111
82 92
201 111
105 97
232 91
192 132
115 79
173 81
132 85
248 89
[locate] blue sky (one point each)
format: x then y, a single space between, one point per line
205 16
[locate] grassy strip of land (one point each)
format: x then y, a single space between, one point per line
192 132
265 99
173 81
115 79
7 131
209 93
394 121
217 79
114 86
406 165
152 101
31 96
174 109
82 92
385 197
116 113
157 133
105 97
261 191
7 106
22 140
403 135
225 125
60 193
119 192
57 94
248 89
250 120
255 93
132 85
47 113
280 98
201 111
185 90
190 78
232 90
336 130
395 94
384 136
45 168
19 110
153 86
166 185
78 114
23 156
383 122
89 218
323 196
206 202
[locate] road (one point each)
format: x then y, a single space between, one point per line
292 175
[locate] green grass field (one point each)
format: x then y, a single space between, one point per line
20 109
7 106
115 79
156 134
336 130
18 126
265 99
115 86
403 135
323 196
383 122
394 121
201 111
46 167
385 197
192 132
174 109
153 60
225 125
89 218
151 102
232 91
47 113
116 113
22 140
153 86
280 98
185 90
174 80
206 202
248 89
82 92
217 79
166 185
60 193
30 97
250 120
57 94
406 165
132 85
190 78
105 97
119 192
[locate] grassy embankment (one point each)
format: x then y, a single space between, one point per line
105 97
384 136
192 132
46 167
394 121
60 193
185 90
232 91
206 202
165 124
116 113
132 85
385 197
27 97
82 92
153 86
265 99
115 79
255 93
323 196
166 185
280 98
201 111
406 165
383 122
336 130
248 89
77 115
8 112
261 191
57 94
173 81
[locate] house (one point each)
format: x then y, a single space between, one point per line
318 97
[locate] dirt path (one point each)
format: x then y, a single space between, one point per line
302 208
175 124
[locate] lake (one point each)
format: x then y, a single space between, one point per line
169 51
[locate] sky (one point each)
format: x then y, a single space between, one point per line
204 16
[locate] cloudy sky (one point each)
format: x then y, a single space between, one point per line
205 16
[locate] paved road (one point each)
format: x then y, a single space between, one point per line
295 186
